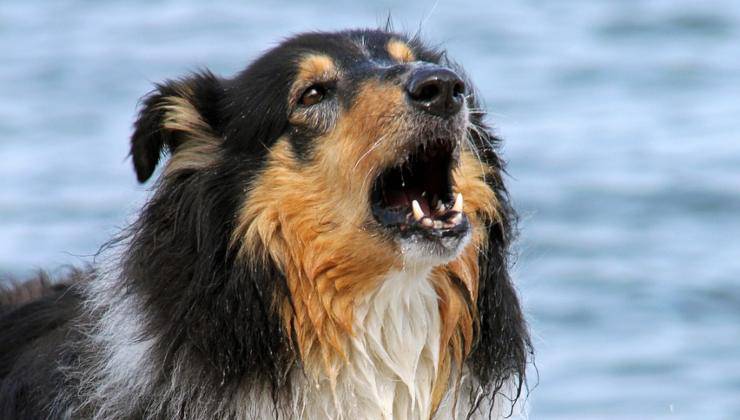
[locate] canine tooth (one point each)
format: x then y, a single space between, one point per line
456 219
427 222
458 203
440 206
416 208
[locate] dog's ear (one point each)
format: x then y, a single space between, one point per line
503 347
176 113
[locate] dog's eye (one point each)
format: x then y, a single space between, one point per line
313 95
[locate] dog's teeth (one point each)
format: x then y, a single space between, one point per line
416 208
458 207
456 219
438 224
427 222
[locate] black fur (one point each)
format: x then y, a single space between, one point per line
218 313
150 139
198 301
32 336
503 346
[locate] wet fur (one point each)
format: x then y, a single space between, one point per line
220 302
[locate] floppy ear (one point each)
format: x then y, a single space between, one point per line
177 113
502 346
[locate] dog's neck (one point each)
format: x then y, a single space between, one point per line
393 356
389 373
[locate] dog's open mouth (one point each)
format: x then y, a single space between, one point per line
416 195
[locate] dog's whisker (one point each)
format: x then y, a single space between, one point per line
376 144
473 148
268 264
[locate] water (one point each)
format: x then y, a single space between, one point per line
621 119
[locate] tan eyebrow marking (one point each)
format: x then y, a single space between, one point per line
400 51
315 66
312 68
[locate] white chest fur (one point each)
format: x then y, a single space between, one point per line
393 356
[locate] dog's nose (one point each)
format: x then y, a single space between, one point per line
436 90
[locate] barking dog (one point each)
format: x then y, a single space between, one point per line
328 239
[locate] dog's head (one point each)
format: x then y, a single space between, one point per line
338 158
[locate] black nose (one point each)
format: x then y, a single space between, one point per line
436 90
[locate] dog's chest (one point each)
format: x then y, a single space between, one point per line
393 357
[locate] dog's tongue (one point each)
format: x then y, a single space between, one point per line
416 194
396 198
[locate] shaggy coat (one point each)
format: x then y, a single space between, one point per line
291 261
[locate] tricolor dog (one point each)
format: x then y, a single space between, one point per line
328 238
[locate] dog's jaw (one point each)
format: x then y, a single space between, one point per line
418 254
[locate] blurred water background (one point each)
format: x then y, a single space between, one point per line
622 126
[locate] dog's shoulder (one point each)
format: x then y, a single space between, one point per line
32 309
16 293
35 319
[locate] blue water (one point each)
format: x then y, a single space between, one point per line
622 128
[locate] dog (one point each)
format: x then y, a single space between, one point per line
329 238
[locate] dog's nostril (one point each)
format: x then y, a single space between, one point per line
435 90
427 93
459 89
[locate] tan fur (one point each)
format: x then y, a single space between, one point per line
315 66
200 145
327 259
400 51
312 220
312 68
328 256
457 316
